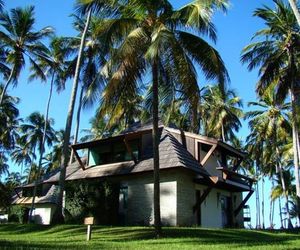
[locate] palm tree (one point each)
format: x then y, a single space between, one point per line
54 66
53 159
9 121
19 38
275 54
99 129
92 82
13 180
174 107
36 132
22 155
86 7
271 122
3 164
32 131
150 36
221 113
293 4
283 188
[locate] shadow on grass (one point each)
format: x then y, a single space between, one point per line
73 237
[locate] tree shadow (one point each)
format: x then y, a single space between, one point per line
73 237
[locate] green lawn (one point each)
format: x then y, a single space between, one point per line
14 236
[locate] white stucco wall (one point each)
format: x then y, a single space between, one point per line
43 213
186 199
211 211
140 200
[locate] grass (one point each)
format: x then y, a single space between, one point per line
14 236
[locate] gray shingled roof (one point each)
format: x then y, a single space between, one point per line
171 154
50 197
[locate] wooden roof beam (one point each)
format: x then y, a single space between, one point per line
237 164
236 212
130 150
78 159
208 155
202 198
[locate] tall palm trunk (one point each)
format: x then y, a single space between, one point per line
223 132
65 157
273 207
285 194
77 122
42 149
258 226
155 138
280 213
295 123
263 202
295 9
195 120
280 169
296 146
6 85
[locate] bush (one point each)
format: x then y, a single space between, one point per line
18 214
95 198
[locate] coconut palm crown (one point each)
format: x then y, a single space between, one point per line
20 40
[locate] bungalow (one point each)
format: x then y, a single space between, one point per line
199 182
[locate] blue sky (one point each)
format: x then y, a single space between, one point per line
235 30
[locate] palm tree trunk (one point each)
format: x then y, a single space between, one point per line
6 85
59 216
77 123
195 120
270 211
258 226
273 208
223 133
155 138
285 196
280 213
263 202
295 145
295 123
42 149
295 10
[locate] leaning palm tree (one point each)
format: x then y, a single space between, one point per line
19 38
86 7
151 37
275 55
92 82
52 65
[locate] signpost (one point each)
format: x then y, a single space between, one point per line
89 221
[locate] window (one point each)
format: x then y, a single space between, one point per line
113 152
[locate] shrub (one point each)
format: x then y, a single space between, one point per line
95 198
18 214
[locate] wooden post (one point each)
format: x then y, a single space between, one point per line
89 221
89 232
